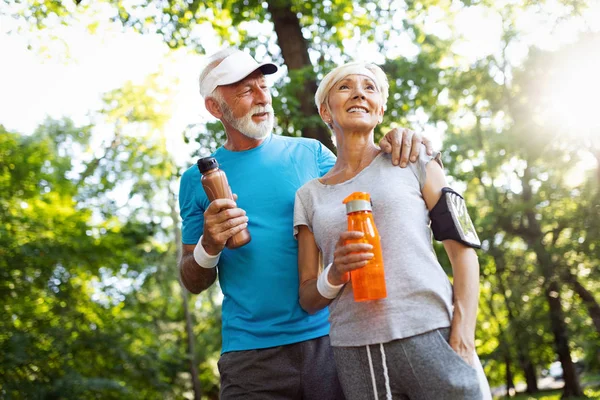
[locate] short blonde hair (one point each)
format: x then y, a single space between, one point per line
352 68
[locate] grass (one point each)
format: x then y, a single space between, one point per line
590 382
590 392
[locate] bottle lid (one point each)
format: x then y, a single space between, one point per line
358 201
207 163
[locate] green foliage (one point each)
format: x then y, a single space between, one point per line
89 281
57 340
518 172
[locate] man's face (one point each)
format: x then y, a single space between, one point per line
248 106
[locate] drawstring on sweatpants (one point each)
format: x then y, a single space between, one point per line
372 373
388 390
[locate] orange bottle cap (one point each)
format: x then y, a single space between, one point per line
358 201
358 196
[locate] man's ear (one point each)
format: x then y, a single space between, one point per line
213 107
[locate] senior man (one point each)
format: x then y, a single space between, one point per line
271 348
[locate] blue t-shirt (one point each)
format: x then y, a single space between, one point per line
260 280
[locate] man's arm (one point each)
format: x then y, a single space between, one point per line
195 278
222 220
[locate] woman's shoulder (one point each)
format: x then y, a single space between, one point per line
307 194
309 187
419 167
425 158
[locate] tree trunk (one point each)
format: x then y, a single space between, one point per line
509 376
529 371
521 345
587 298
534 237
294 49
523 356
504 346
188 316
191 346
572 387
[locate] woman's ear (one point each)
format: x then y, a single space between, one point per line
381 112
213 107
325 114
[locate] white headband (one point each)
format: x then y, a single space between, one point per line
353 68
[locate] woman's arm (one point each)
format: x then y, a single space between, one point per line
347 257
465 268
308 272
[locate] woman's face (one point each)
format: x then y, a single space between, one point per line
354 103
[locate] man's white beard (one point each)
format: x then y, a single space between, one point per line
247 126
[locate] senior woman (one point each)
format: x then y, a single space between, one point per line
419 341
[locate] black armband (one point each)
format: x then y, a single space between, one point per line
450 220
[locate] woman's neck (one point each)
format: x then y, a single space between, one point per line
354 153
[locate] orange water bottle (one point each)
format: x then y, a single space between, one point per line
368 282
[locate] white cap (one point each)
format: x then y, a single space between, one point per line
233 68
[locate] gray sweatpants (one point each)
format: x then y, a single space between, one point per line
421 367
298 371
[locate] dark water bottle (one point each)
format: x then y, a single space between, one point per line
214 182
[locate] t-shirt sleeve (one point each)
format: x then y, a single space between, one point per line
325 159
192 214
300 212
419 167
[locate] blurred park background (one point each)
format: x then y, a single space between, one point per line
100 114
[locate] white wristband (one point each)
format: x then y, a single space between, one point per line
325 288
204 259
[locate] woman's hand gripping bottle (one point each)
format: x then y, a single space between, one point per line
214 182
368 282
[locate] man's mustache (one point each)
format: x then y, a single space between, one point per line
261 109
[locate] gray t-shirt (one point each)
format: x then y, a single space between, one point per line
419 294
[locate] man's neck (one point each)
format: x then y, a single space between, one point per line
237 141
